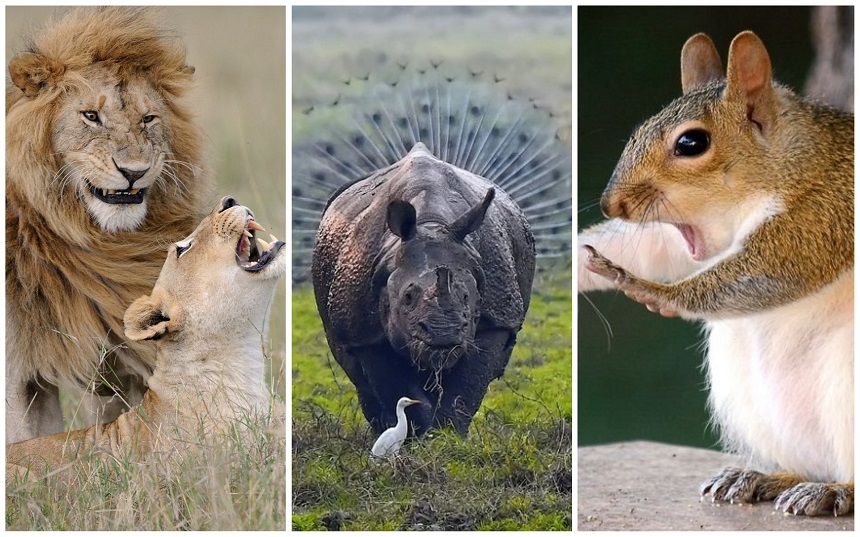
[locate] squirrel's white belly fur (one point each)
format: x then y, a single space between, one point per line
782 382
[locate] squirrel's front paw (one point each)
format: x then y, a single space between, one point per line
817 499
601 266
632 286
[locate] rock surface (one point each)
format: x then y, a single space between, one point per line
651 486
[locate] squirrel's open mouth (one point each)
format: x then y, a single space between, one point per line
254 254
113 197
694 241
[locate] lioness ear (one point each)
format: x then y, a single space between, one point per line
32 73
144 319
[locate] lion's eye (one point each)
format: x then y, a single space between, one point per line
148 119
181 249
91 115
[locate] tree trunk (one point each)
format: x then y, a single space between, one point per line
832 77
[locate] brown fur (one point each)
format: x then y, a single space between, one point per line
68 282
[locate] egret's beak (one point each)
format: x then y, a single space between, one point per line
415 402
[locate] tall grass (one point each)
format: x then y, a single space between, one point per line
234 481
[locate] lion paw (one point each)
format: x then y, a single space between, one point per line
816 499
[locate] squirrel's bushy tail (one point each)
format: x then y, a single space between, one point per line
468 119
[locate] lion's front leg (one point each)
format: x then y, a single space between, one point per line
32 409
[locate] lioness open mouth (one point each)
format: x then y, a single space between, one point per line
133 196
254 254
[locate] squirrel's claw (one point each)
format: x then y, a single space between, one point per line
625 282
601 266
816 498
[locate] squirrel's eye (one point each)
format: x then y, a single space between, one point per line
91 115
692 143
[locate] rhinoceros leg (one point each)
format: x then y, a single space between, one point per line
465 385
385 377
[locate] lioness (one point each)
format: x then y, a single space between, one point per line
104 166
208 316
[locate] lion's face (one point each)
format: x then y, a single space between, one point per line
217 281
111 139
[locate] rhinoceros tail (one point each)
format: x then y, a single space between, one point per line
471 118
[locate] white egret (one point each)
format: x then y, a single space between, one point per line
389 442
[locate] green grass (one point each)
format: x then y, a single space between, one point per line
513 470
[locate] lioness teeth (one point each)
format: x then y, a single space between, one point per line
247 233
265 245
255 226
274 239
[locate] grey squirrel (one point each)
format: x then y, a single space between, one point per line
735 205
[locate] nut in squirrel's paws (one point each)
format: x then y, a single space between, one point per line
816 499
632 286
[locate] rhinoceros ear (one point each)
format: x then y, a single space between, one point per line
401 219
472 219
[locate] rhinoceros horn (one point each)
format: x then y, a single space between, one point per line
471 219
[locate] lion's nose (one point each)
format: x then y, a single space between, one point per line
227 202
132 175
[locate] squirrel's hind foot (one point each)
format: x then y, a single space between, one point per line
817 499
791 493
737 485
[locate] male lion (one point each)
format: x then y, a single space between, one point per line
208 315
103 167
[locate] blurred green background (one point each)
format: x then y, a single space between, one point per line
645 380
239 54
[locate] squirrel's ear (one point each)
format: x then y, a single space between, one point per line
749 78
700 63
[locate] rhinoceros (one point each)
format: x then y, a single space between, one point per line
422 274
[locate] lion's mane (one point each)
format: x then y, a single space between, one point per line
68 282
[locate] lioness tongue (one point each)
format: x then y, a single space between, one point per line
244 250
